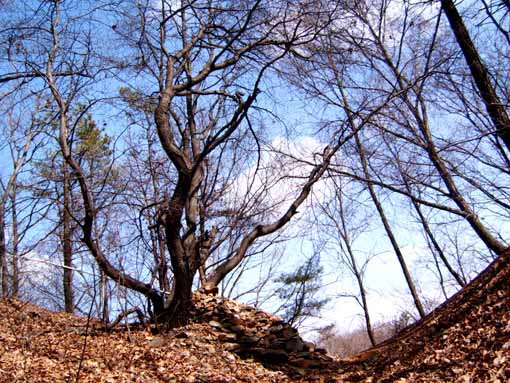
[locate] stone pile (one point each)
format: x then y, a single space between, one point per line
253 333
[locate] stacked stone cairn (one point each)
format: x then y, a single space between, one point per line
253 333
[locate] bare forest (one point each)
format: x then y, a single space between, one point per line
273 152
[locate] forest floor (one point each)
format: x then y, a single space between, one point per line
467 339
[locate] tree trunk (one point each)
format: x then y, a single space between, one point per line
180 310
89 209
104 306
362 291
157 237
343 231
419 110
389 232
435 248
164 281
67 243
471 217
3 255
15 240
493 104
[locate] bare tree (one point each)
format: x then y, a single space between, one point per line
495 108
343 225
20 150
381 74
215 43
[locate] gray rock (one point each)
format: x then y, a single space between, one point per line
306 362
270 356
289 332
246 339
231 347
215 324
275 329
157 342
181 335
227 337
237 329
294 345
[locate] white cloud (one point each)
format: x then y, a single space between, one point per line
278 177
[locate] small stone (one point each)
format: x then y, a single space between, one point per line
182 335
231 357
231 347
248 339
275 329
278 344
271 356
289 332
294 345
236 320
303 363
227 337
306 362
157 342
265 342
237 329
299 372
215 324
235 309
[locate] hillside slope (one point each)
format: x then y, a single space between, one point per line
467 339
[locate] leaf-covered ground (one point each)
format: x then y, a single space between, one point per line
466 340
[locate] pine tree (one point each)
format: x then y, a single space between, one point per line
298 291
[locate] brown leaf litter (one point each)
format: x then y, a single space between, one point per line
467 339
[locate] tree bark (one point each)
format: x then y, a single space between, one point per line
389 232
15 239
3 255
361 286
158 241
104 298
180 310
67 250
418 108
495 108
436 248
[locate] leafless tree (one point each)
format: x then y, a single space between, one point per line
215 43
20 133
481 76
343 226
382 73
